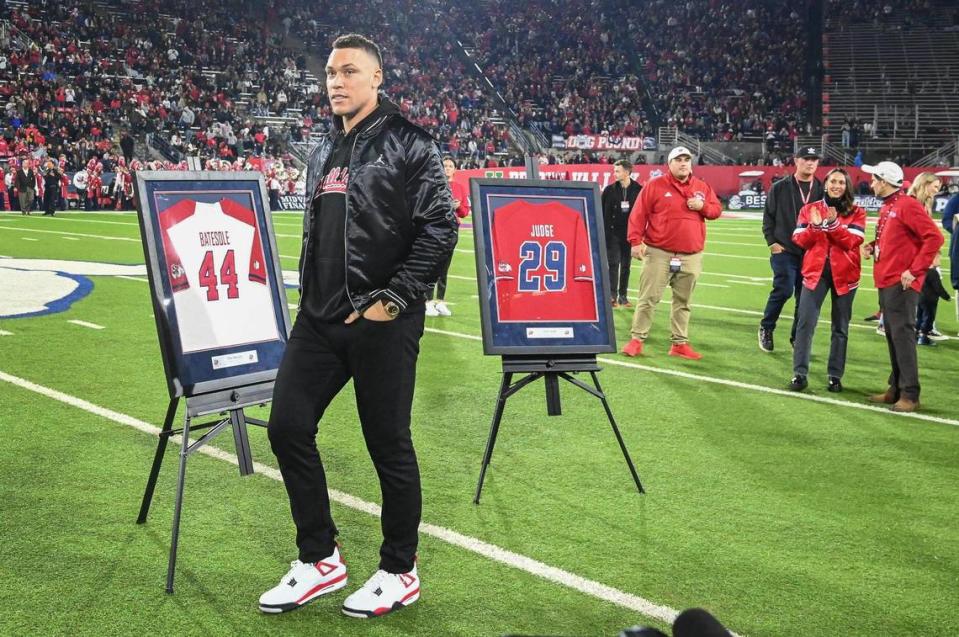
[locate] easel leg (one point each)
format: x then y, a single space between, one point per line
157 461
619 438
243 454
494 429
171 567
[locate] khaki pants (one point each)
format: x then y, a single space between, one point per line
26 198
653 281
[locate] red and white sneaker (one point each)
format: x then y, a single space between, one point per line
633 348
383 593
684 350
305 582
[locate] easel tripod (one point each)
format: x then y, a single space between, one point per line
229 410
551 369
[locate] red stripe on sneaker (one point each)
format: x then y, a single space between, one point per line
320 587
410 594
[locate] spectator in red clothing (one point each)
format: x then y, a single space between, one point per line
667 231
830 232
436 304
907 241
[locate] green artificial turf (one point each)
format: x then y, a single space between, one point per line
782 515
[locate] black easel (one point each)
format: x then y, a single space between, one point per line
228 408
551 369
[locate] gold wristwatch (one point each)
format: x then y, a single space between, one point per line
392 309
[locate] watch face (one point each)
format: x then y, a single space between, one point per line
392 308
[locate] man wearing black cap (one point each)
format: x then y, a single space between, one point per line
785 199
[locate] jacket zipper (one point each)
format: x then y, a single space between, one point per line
346 212
346 221
306 245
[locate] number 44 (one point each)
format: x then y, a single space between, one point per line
228 276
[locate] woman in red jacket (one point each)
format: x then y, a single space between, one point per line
830 231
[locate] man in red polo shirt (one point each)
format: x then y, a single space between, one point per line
667 230
906 242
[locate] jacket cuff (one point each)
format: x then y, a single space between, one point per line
389 295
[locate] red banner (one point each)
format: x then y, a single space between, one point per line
725 180
603 142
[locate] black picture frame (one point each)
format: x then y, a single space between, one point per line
567 327
193 372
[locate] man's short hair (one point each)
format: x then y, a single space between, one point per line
450 159
624 164
357 41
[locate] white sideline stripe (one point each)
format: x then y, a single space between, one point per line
131 278
735 256
287 256
736 243
474 545
740 283
92 326
720 285
104 221
5 333
750 386
3 256
29 239
72 234
69 238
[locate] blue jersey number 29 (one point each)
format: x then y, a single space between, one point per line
552 257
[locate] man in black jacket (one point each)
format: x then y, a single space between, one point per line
51 188
785 199
378 225
25 181
618 200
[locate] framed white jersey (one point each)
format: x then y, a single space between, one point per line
218 295
214 259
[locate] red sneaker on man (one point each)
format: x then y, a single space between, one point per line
684 350
633 348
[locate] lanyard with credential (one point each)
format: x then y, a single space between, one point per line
802 197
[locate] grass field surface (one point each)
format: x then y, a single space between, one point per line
784 514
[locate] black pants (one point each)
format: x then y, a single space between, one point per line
787 283
899 316
50 198
810 305
438 289
319 360
618 256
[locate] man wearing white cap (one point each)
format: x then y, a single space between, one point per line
906 242
667 230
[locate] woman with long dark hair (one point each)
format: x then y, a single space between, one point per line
830 231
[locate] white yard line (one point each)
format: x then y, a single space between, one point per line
741 385
29 239
474 545
5 333
128 224
92 326
69 238
131 278
71 234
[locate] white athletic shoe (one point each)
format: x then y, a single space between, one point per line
304 583
431 309
383 593
442 309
